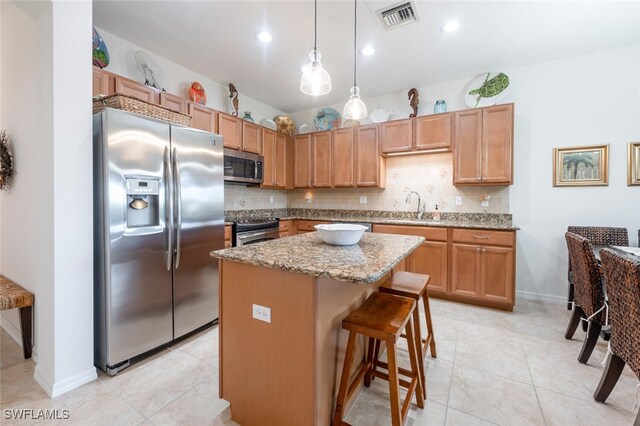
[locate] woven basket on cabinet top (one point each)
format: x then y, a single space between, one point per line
138 106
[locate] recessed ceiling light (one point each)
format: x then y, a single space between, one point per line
450 27
367 51
264 36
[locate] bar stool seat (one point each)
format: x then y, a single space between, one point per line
414 286
381 317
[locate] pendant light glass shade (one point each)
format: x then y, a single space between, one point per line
354 109
315 80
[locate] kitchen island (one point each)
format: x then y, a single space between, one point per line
284 368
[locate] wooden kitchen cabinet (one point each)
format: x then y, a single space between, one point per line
135 89
227 236
304 226
230 128
285 228
173 102
483 147
343 157
321 159
370 166
283 162
396 136
465 270
103 82
433 132
302 161
430 258
251 137
202 118
274 151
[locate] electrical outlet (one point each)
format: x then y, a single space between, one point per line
271 199
485 203
363 199
262 313
458 201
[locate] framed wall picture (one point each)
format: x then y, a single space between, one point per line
581 166
633 164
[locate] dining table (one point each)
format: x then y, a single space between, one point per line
632 252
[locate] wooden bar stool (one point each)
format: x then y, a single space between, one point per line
381 317
414 286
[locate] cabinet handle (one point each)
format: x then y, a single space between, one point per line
479 178
484 249
478 249
481 237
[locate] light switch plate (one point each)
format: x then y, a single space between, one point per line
262 313
271 199
363 199
458 201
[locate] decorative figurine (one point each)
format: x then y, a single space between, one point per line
233 95
196 93
413 101
285 124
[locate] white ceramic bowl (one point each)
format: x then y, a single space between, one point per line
340 234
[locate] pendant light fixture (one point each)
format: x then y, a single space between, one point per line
354 109
315 80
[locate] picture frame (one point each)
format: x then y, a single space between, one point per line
581 166
633 164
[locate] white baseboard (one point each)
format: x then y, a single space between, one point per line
16 335
546 298
66 385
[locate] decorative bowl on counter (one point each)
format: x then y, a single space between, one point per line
340 234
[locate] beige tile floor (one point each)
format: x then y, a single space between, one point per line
492 368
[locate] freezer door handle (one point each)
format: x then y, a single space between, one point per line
168 183
178 204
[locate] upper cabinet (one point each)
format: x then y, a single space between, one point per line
396 136
173 102
483 147
135 89
202 118
321 159
302 161
230 128
370 166
274 151
343 157
251 137
433 132
103 82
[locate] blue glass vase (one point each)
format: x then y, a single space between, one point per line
440 107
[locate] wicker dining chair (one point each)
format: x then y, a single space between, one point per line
598 236
622 275
589 293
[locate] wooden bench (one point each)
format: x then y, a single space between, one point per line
13 296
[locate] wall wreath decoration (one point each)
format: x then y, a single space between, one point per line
6 162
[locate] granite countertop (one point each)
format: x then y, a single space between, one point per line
407 221
366 262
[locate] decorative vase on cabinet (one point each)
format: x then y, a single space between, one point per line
440 106
247 116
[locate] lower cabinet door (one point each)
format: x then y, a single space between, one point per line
431 259
496 278
466 260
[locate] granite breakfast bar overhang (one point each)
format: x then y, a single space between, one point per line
287 371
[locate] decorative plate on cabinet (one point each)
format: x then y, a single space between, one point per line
269 124
100 52
151 71
379 115
327 119
486 89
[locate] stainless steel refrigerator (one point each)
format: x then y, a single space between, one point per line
158 212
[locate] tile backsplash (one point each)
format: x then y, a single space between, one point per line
430 175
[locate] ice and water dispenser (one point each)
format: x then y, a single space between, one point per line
143 203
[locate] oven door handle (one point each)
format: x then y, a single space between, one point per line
249 235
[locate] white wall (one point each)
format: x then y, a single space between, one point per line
584 100
46 232
179 78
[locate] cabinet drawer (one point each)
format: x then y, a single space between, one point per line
308 225
284 225
484 237
227 232
430 234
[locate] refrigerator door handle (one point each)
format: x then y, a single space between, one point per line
168 205
178 204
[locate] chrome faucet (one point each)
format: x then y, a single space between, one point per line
421 206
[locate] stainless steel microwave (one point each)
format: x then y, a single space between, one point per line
242 167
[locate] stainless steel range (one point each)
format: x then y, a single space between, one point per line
251 231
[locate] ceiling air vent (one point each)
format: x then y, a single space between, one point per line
397 15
